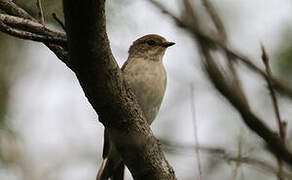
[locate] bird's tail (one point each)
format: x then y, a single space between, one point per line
112 166
109 169
119 173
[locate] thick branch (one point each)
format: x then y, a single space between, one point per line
103 84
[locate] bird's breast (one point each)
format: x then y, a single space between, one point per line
148 81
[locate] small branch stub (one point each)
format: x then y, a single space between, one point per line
265 57
58 21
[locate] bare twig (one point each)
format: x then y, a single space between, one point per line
223 154
280 169
251 120
226 88
189 12
265 59
278 84
224 40
30 26
196 133
281 125
11 8
31 36
40 11
58 21
216 19
239 156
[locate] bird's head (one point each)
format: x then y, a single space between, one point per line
151 46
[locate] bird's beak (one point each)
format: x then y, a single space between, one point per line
168 44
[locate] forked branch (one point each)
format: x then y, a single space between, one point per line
208 43
279 85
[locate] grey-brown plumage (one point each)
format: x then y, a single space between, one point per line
145 74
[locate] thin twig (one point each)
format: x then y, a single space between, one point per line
224 39
11 8
31 30
40 11
30 26
190 14
196 133
216 19
265 59
223 154
280 169
282 129
58 21
239 156
31 36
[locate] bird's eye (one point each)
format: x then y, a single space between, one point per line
150 42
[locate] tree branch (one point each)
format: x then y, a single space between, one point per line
40 11
12 9
106 90
273 141
223 154
90 56
30 30
215 40
194 120
31 26
206 44
281 124
58 21
216 19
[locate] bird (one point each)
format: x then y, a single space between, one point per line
146 76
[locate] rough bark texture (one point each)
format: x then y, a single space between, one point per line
103 85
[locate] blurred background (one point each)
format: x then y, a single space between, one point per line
48 130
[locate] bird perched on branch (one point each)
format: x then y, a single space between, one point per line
146 76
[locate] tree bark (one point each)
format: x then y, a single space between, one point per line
104 86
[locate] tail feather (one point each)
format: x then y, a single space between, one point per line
101 169
119 173
109 169
112 166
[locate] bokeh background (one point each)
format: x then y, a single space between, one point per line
48 130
